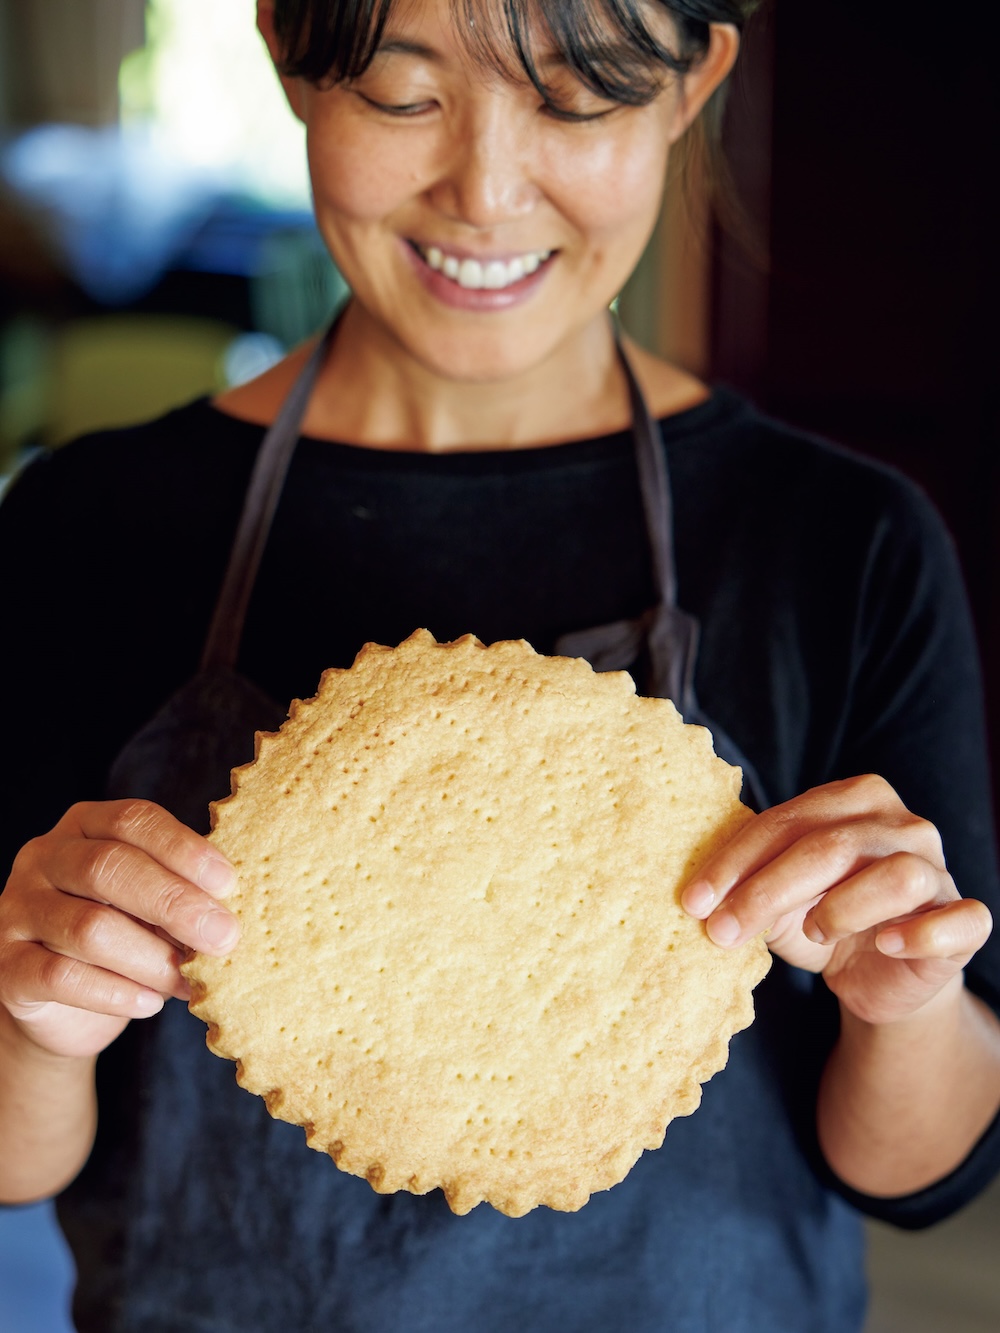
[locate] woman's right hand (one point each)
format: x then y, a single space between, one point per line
94 919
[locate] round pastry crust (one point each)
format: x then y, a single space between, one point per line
463 963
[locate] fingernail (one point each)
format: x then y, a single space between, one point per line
723 928
890 942
698 898
219 929
813 932
216 876
148 1003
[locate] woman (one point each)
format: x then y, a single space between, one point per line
486 183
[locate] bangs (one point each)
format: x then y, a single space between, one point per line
607 44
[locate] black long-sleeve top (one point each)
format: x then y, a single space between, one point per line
835 640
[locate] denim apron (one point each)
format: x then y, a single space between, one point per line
198 1211
182 758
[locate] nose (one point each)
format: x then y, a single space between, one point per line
487 175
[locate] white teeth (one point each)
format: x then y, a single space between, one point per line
470 274
494 275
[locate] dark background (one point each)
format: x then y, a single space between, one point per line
863 140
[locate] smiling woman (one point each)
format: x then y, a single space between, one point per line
474 447
467 178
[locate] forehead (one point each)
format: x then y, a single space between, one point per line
489 33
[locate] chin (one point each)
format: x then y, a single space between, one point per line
477 356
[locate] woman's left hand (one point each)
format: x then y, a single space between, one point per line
844 880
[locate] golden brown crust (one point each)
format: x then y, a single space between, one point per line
463 962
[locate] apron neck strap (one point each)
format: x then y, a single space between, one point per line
222 644
654 482
267 480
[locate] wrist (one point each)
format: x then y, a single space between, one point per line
941 1010
902 1102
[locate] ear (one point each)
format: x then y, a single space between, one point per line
292 87
705 77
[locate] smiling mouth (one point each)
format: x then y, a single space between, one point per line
489 275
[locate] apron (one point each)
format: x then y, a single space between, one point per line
182 758
195 1172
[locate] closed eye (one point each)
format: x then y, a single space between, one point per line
394 109
576 117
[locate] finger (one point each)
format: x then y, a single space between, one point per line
123 876
955 931
106 938
893 886
869 802
156 832
43 977
815 863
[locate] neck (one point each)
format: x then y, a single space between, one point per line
393 402
396 402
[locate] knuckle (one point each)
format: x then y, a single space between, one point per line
760 902
103 863
76 818
878 786
60 977
900 882
91 932
131 818
76 812
832 845
910 875
924 837
26 856
870 790
30 858
779 817
170 899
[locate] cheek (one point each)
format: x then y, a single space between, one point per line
355 180
613 190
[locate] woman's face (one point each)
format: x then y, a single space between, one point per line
478 230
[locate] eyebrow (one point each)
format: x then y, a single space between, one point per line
401 46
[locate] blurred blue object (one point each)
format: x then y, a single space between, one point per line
121 212
115 203
249 356
230 239
36 1272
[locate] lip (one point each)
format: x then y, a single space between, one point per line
483 300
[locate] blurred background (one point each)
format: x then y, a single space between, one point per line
156 240
156 244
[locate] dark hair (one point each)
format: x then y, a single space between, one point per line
606 43
328 41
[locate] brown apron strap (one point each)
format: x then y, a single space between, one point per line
654 482
222 644
667 635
